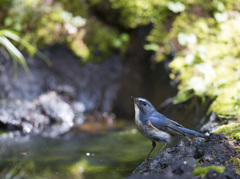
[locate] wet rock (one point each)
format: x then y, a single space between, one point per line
179 161
79 110
21 115
58 111
52 115
48 115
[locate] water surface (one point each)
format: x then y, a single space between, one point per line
111 153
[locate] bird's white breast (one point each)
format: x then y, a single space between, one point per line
137 117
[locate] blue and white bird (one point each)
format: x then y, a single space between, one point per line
156 126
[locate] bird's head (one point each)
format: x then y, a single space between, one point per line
143 105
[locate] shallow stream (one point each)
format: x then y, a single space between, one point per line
110 154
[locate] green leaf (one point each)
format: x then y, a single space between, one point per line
176 7
151 46
183 96
14 52
30 48
221 17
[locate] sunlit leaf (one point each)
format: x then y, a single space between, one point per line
124 37
78 21
220 6
183 96
198 85
221 17
151 46
66 16
185 39
189 59
176 7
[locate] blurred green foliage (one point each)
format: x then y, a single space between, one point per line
6 38
16 55
207 63
50 22
204 36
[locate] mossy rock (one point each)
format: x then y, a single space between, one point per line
232 130
202 171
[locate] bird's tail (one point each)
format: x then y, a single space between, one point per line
191 132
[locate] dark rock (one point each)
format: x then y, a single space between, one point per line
179 161
229 173
211 124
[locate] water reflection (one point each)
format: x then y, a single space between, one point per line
113 155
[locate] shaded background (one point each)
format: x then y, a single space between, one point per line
65 108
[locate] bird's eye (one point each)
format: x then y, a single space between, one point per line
144 103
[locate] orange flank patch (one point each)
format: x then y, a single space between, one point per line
150 125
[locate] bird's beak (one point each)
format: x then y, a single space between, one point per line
134 100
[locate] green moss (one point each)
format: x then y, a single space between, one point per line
198 160
202 171
236 164
232 130
137 12
101 42
77 7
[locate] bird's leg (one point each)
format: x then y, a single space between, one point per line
162 148
189 140
153 146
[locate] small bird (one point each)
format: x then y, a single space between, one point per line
156 126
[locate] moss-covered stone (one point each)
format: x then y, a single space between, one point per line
232 130
235 163
202 171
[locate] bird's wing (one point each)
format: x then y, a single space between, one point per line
167 125
175 123
175 129
158 123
